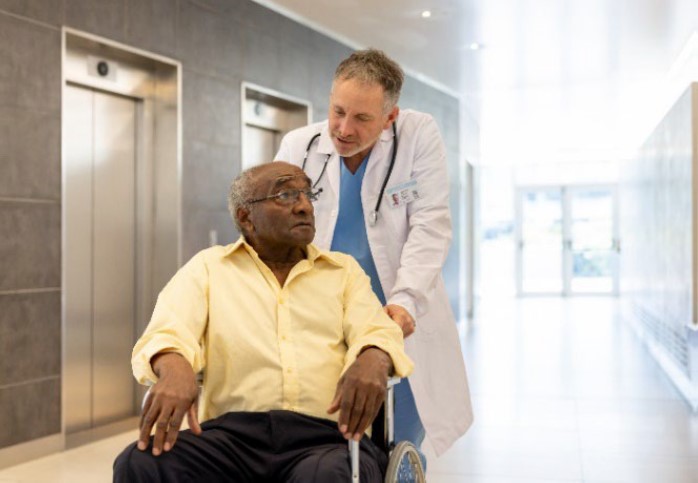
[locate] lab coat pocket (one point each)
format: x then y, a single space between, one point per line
395 224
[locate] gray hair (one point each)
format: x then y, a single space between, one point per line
241 190
372 66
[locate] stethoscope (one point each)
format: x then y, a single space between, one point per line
373 216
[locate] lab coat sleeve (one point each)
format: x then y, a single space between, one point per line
366 324
178 323
429 237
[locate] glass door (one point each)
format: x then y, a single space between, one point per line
567 240
592 241
540 235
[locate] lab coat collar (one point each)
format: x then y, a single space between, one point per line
387 134
325 144
378 164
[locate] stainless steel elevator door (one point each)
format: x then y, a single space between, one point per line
100 237
261 145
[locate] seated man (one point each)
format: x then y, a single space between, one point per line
295 349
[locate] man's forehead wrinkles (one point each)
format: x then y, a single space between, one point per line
281 180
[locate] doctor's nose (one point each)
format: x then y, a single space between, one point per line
344 127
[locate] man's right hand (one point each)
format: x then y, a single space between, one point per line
361 392
174 395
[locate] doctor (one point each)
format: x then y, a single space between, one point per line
385 201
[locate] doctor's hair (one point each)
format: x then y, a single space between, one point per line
372 66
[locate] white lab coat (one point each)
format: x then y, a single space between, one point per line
409 245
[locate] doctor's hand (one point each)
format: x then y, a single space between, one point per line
401 317
361 392
169 400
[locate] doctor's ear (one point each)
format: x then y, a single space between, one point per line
392 117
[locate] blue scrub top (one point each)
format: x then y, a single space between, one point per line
350 231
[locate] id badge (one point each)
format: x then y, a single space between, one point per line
402 194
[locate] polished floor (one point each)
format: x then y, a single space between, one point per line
563 392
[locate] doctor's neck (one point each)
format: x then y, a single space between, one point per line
354 162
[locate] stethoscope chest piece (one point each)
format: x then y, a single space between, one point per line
373 218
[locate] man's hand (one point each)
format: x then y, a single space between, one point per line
174 395
361 391
402 318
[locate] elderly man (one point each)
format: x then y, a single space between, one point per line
294 346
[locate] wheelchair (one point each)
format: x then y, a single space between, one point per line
404 463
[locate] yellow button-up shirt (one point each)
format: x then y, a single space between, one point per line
263 346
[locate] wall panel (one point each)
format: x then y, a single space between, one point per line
657 258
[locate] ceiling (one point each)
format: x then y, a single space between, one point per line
553 81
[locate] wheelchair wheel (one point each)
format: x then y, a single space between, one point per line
404 465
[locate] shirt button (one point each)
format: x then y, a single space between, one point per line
289 370
283 337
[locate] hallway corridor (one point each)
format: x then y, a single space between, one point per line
563 392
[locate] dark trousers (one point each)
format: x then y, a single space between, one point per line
278 446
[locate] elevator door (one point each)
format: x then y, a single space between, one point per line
100 237
261 145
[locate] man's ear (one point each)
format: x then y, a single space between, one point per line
392 117
243 217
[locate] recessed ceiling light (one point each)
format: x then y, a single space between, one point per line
426 14
475 46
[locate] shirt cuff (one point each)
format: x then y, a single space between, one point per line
141 360
402 365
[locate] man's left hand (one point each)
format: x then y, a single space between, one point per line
402 318
361 391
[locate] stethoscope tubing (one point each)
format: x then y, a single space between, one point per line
374 214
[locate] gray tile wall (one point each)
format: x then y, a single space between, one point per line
30 234
220 43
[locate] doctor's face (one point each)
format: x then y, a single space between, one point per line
357 116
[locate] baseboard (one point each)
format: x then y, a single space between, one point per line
31 450
95 434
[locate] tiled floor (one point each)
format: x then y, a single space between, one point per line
562 391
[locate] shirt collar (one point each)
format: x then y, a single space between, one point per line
313 252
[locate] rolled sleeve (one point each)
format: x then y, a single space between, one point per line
178 322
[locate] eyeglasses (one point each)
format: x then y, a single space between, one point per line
290 197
